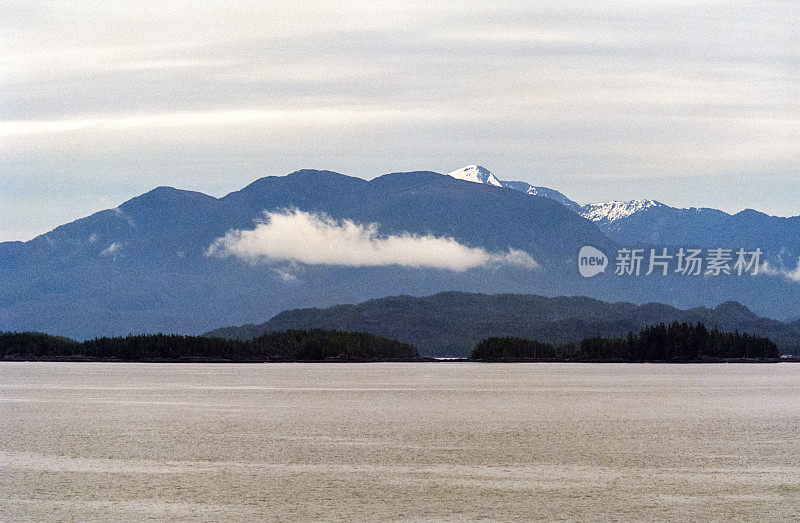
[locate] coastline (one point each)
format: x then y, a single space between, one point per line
73 359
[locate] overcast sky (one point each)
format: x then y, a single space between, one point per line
690 103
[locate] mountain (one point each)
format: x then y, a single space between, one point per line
644 221
478 174
179 261
452 323
608 212
544 192
144 266
778 237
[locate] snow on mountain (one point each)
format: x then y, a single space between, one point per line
614 210
603 213
476 174
544 192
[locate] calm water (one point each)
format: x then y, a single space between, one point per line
399 441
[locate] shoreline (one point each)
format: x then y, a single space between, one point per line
420 360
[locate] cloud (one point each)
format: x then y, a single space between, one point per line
316 239
112 250
287 273
203 119
598 100
792 275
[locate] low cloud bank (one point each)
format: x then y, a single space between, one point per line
315 239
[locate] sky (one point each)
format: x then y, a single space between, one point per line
689 103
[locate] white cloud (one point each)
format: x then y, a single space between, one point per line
111 250
598 100
346 115
285 274
793 274
314 239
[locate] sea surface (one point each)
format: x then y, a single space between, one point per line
417 441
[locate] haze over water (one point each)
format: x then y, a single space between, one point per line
399 441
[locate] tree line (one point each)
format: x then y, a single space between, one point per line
674 342
290 345
678 342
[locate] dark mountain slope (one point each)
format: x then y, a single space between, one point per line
778 237
142 267
451 323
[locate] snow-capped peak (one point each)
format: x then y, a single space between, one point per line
610 211
606 212
476 174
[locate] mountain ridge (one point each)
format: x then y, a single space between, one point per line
593 210
646 221
144 266
451 323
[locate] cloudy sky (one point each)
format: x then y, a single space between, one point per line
691 103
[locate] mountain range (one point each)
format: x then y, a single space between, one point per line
648 221
452 323
180 261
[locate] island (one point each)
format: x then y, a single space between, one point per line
673 343
661 343
290 345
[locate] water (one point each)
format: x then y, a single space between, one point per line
399 441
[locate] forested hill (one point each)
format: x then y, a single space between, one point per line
677 342
452 323
292 345
674 343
